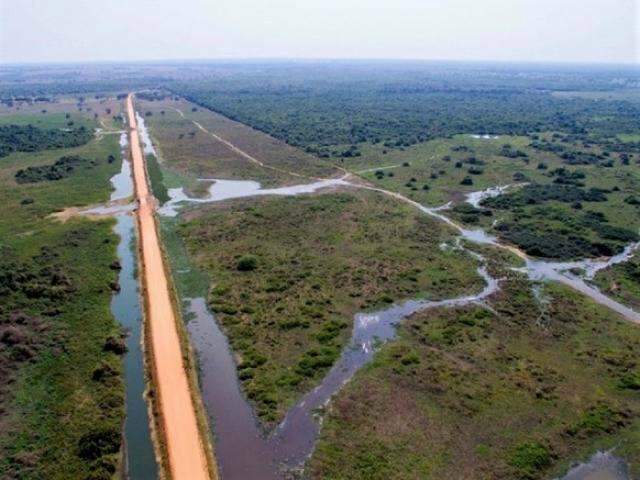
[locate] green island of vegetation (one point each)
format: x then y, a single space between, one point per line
27 138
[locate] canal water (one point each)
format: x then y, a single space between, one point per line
139 456
236 429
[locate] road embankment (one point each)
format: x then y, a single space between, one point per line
185 447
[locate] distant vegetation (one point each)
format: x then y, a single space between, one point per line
27 138
330 115
574 237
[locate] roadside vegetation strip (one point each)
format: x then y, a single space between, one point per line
185 445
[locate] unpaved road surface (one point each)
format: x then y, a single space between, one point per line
185 449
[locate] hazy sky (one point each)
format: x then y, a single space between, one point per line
533 30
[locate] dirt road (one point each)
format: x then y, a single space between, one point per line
186 452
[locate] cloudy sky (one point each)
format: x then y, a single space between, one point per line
529 30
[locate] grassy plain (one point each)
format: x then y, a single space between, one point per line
288 274
513 393
187 150
62 391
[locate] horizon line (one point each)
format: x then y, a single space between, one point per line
161 61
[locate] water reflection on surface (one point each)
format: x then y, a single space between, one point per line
601 466
140 457
229 189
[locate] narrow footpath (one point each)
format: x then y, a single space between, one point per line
185 448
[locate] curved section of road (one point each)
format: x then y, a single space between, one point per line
185 447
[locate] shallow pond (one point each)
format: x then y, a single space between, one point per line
229 189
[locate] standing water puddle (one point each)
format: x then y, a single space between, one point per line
601 466
229 189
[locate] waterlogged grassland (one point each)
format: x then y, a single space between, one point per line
188 149
62 394
288 274
515 393
443 170
622 282
433 163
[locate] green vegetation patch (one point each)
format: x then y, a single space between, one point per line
28 138
61 168
61 387
622 281
517 392
156 179
288 274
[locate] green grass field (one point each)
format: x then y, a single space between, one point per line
513 393
61 419
187 150
622 282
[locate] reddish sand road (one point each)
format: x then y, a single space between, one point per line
186 451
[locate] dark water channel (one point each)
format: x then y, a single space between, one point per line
140 458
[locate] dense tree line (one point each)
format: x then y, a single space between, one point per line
318 116
27 138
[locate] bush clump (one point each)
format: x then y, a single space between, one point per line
529 458
247 263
